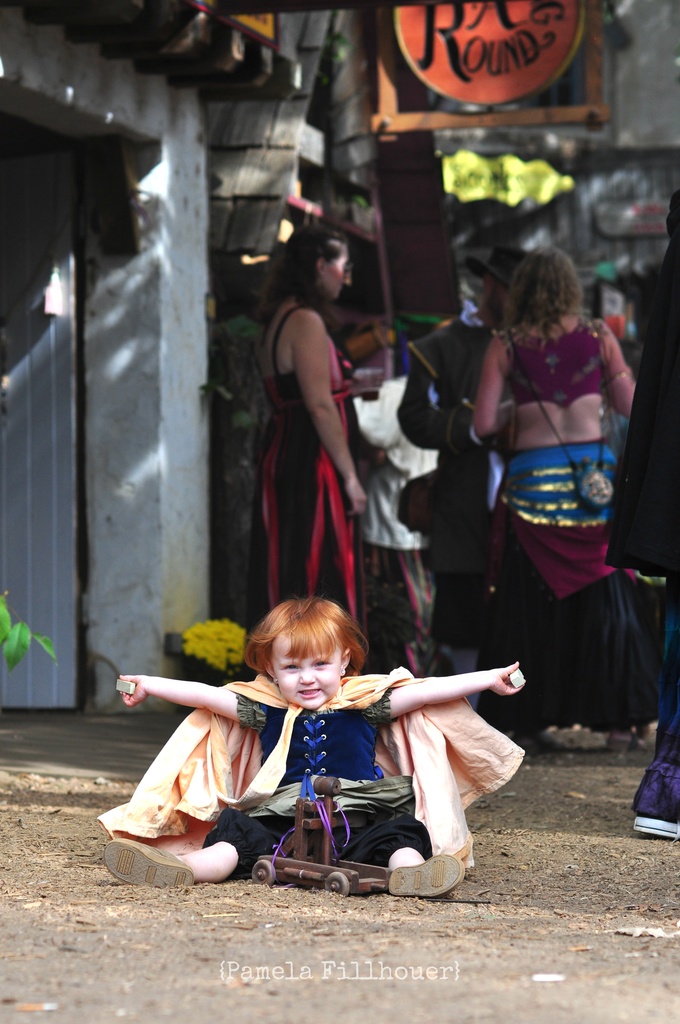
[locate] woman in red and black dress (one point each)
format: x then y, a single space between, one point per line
305 532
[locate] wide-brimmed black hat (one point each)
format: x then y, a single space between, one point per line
501 264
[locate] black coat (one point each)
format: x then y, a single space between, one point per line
451 359
646 524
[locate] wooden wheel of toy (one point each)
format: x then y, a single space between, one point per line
337 882
263 872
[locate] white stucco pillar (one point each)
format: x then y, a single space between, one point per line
146 421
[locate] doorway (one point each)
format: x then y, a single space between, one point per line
38 499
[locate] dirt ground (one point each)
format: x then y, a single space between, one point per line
568 915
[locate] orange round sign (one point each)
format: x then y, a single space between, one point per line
490 51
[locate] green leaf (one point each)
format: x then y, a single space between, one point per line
243 327
5 619
243 420
46 645
215 388
16 644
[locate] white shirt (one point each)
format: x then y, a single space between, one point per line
379 425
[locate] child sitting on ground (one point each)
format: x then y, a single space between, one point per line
313 716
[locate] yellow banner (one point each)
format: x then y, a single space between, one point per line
505 178
262 25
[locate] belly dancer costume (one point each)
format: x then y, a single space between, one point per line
302 540
578 627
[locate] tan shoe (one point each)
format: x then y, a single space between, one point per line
140 864
435 878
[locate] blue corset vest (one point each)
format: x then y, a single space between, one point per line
337 743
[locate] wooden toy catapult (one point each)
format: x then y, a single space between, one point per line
307 858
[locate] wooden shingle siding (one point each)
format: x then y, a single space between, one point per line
354 145
253 226
352 116
215 53
236 125
350 73
157 22
255 149
288 125
314 30
309 61
173 39
253 172
312 145
354 154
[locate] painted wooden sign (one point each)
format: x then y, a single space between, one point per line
632 218
489 52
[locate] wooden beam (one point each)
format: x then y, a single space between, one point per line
593 51
192 34
38 3
219 53
388 100
192 41
283 6
592 115
83 12
158 21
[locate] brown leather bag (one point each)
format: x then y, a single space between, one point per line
416 502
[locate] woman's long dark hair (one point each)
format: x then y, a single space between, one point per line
293 271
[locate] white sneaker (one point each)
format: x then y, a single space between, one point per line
657 827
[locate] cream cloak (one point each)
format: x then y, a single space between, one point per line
211 762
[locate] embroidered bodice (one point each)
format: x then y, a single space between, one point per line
338 743
561 369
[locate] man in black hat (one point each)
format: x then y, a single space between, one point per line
436 412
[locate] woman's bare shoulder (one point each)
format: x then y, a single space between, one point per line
289 310
291 323
300 321
296 313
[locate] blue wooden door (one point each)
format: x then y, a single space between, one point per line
37 424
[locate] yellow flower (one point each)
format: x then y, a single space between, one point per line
218 642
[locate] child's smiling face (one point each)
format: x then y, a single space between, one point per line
310 681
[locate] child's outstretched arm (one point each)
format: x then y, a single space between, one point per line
438 690
193 695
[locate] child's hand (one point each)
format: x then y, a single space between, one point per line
139 695
501 682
